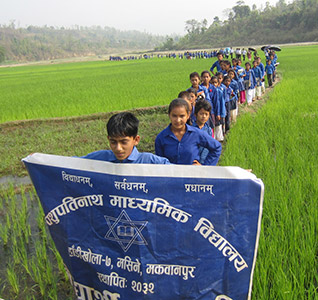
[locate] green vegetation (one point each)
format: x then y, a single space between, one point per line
46 43
278 141
283 23
31 267
74 89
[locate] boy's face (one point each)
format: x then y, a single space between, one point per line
202 116
122 146
195 81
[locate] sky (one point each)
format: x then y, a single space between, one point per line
162 17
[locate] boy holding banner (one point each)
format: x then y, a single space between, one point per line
122 130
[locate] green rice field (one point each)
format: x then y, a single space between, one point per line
74 89
277 138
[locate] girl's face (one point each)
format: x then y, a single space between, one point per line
215 82
178 117
247 67
206 78
227 82
231 74
193 97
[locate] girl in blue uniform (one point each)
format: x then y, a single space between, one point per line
250 83
181 143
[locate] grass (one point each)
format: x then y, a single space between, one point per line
278 143
74 89
277 140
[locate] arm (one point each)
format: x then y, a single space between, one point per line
214 148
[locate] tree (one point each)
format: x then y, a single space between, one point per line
2 54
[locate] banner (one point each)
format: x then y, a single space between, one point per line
128 231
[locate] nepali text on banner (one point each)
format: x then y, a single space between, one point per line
151 231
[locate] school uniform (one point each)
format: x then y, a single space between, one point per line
269 69
234 106
221 111
203 151
258 75
135 157
250 82
229 97
211 90
216 65
240 82
187 150
262 68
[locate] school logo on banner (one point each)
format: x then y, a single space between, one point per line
151 231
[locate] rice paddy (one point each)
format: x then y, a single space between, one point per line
278 142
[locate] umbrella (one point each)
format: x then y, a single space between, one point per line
275 48
252 49
265 47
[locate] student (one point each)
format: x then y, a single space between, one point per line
262 68
258 75
205 79
219 123
240 71
250 82
180 142
227 67
122 130
190 96
216 64
234 85
201 91
229 97
202 114
269 71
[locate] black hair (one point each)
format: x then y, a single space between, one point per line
227 62
247 64
194 74
202 104
179 102
122 124
213 78
192 90
226 78
205 72
219 74
185 95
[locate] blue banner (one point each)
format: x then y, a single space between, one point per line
128 231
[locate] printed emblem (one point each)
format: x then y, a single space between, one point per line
124 231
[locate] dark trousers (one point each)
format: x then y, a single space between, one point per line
270 79
228 116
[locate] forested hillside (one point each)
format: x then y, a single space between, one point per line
42 43
282 23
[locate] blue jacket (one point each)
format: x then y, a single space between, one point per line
135 157
188 149
203 151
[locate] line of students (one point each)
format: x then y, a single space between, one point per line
230 86
199 114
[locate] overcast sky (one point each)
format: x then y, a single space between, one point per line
156 17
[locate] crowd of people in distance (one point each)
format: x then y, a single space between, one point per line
243 54
199 117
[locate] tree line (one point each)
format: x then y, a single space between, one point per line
36 43
283 23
